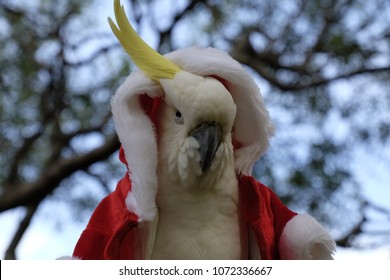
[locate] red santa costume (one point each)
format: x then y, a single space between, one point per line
122 227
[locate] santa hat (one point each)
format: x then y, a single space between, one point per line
136 101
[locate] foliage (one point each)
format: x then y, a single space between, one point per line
323 67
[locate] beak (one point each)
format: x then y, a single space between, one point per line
209 136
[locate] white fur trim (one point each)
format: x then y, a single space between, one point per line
304 238
137 135
252 126
68 258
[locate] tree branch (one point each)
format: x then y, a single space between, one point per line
10 252
22 151
359 229
34 192
100 179
92 57
244 54
379 209
346 241
165 35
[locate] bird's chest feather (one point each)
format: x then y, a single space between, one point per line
198 224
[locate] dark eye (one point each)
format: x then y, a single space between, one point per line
179 118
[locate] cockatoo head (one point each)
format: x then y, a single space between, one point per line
195 128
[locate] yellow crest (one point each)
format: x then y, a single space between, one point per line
153 64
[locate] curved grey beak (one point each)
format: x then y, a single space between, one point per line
209 136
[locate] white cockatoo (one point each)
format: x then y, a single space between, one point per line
192 124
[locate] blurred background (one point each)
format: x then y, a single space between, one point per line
323 67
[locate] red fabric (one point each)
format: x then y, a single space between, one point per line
113 231
150 106
265 214
105 236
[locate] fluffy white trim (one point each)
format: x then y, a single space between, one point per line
136 132
304 238
68 258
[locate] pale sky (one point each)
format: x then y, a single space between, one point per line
43 241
